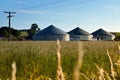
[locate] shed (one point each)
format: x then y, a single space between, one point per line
51 33
101 34
78 34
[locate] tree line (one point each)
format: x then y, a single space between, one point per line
15 34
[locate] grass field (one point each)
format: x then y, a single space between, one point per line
38 60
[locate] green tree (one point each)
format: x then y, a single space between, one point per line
33 30
14 32
4 31
117 36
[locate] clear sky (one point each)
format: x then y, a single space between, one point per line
89 15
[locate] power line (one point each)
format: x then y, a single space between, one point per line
81 2
9 19
77 3
56 2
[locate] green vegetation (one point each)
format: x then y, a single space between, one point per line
38 60
23 33
4 31
33 30
117 36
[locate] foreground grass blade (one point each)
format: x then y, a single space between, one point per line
79 62
14 70
59 75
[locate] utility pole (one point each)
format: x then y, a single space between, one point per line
9 21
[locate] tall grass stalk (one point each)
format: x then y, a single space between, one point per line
112 69
118 61
59 75
119 48
14 70
101 72
86 78
79 61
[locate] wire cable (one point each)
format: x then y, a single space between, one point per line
81 2
51 3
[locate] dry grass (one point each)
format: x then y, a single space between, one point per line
14 70
119 48
101 73
79 62
104 68
104 75
59 75
112 68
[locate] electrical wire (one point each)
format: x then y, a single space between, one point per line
51 3
55 2
81 2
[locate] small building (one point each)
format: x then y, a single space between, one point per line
51 33
101 34
78 34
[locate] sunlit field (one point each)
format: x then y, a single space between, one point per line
38 60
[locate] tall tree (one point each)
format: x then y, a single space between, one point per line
33 30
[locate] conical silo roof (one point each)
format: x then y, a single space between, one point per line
101 32
78 31
51 30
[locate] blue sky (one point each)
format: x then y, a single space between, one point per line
89 15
